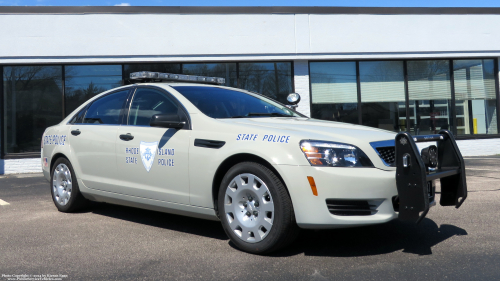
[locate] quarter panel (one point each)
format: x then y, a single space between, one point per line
55 141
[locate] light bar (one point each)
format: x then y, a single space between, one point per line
141 75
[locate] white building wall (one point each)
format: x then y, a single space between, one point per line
214 37
17 166
403 33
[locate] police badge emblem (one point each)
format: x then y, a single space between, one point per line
148 153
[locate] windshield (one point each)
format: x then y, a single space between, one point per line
225 103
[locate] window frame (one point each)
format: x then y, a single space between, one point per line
452 89
64 96
4 155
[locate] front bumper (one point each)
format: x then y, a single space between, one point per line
377 187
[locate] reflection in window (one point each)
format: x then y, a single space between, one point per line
155 67
270 79
32 102
334 91
383 95
430 96
107 109
147 103
224 70
217 102
83 82
475 98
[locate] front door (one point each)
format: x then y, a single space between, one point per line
153 162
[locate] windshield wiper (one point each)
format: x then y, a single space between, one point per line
264 114
268 114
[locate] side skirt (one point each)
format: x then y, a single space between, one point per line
148 204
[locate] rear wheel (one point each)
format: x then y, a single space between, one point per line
255 209
64 187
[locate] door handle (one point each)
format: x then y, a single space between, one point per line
75 132
126 137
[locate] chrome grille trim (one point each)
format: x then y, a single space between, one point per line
381 145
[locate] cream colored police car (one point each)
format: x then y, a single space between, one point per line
203 150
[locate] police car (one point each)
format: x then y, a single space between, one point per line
187 145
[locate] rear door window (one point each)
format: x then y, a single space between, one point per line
78 118
107 110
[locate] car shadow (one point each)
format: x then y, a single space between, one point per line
201 227
169 133
348 242
373 240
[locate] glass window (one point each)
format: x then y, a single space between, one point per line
156 67
32 102
147 103
270 79
475 97
224 70
223 103
334 91
78 118
107 110
83 82
383 95
430 96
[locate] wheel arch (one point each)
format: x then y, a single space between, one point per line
230 162
54 159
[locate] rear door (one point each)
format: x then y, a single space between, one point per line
153 162
93 140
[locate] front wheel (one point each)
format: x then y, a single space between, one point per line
64 187
255 209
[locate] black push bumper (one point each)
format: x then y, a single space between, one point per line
415 175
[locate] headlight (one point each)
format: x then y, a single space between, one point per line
334 154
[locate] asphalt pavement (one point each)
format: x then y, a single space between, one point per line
110 242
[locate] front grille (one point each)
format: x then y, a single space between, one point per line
388 154
341 207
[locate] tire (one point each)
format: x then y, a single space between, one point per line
64 187
257 214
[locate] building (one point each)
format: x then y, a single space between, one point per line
416 69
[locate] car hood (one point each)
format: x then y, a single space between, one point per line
313 129
309 128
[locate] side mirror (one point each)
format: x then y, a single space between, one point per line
293 99
166 121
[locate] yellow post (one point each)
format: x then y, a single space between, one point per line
475 126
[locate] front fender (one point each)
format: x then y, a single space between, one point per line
283 149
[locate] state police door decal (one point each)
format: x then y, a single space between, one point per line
148 153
